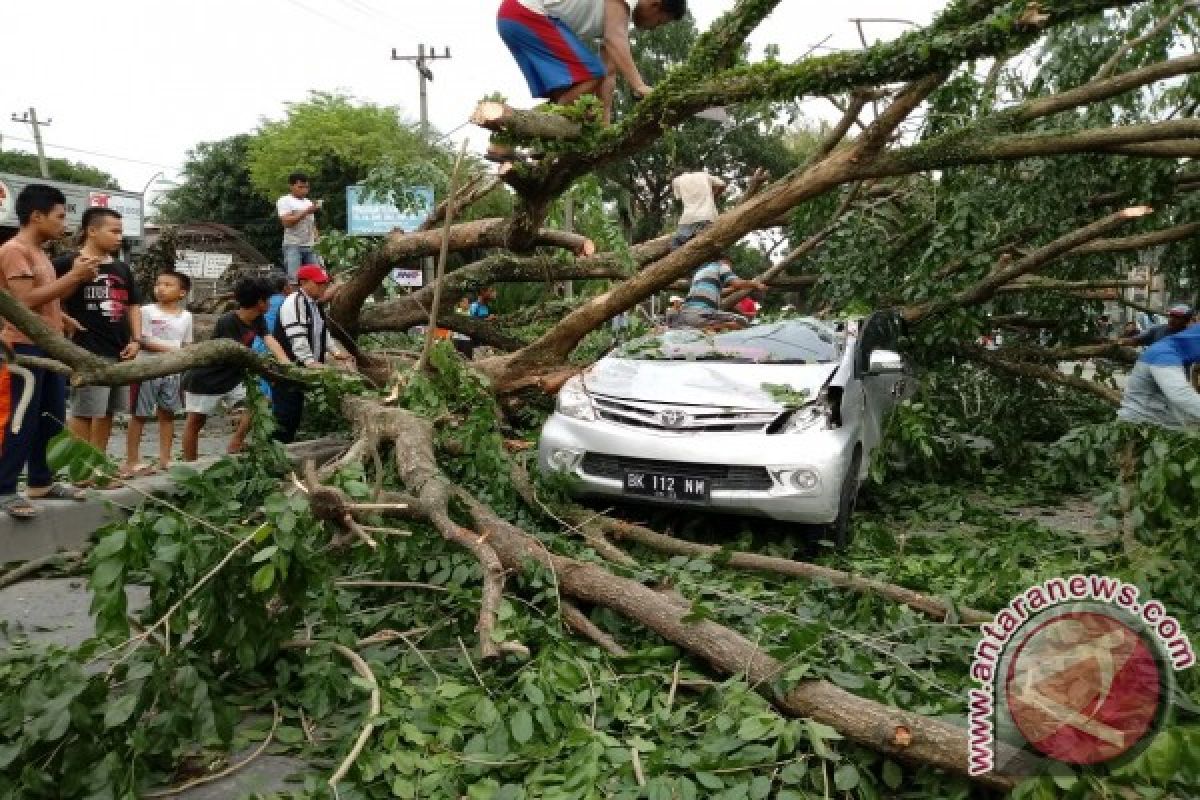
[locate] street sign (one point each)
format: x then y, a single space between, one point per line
408 277
375 218
199 264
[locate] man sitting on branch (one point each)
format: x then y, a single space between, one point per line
702 308
552 42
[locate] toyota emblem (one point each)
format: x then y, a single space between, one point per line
673 418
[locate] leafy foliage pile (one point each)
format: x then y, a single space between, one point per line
118 715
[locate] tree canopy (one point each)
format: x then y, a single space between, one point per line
60 169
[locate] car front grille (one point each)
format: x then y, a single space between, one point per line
721 476
676 418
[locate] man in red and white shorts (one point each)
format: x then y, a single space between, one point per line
551 41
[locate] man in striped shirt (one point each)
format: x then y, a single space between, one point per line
702 308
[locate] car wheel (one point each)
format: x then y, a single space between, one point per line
841 530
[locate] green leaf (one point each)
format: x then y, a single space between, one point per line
106 573
846 777
794 773
264 554
521 726
760 788
263 579
118 711
660 788
753 728
9 753
709 781
893 775
110 545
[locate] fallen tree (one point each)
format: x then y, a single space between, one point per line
425 497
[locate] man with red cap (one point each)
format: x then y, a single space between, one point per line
303 332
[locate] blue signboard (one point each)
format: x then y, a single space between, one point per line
375 218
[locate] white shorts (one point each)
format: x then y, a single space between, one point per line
207 404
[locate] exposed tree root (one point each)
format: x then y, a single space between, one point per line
890 730
412 438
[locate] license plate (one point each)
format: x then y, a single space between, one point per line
667 487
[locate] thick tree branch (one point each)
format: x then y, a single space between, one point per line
1141 241
1164 24
497 116
1100 89
968 146
985 289
1042 373
911 56
88 369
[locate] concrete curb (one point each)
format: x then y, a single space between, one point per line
68 524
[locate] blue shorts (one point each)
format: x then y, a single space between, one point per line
550 55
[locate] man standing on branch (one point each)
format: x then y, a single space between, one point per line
108 311
698 191
27 274
299 228
552 43
302 331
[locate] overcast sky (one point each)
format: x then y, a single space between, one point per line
141 82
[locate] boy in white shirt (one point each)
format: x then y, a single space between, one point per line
166 327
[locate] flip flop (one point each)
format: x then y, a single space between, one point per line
58 491
18 507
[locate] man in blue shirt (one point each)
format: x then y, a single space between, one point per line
710 282
1178 318
482 307
1159 392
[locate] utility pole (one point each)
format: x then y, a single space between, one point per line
425 75
30 118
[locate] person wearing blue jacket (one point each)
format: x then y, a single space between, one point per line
1159 391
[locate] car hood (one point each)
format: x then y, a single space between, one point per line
702 383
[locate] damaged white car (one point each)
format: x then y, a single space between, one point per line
778 420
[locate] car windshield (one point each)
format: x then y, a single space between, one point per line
791 342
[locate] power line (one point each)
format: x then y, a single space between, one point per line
94 153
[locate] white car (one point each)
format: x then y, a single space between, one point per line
778 420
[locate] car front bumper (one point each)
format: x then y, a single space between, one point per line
762 467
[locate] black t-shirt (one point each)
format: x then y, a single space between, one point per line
220 379
101 307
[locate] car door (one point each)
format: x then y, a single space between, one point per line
882 374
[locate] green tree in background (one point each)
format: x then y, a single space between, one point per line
60 170
641 185
216 187
337 141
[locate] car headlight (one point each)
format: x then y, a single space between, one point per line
573 401
806 418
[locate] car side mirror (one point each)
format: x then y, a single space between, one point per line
885 362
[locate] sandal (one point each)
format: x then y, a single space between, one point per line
18 507
139 471
58 491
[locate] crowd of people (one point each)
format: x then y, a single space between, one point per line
91 296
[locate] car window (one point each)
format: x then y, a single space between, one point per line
791 342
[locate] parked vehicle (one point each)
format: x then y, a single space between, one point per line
778 420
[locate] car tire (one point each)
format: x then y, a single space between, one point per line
841 530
